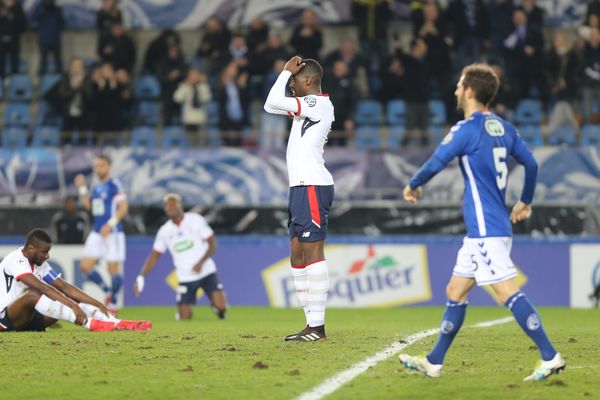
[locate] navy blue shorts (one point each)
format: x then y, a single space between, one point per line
308 212
37 323
186 292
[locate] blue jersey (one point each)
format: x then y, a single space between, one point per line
483 142
104 199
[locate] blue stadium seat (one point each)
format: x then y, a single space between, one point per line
22 67
48 80
564 134
437 113
143 137
20 88
14 137
17 114
368 137
532 135
147 114
146 88
528 112
396 113
437 134
212 114
395 135
368 113
590 135
44 136
47 116
174 136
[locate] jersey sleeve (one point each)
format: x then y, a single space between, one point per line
204 229
524 156
49 275
117 189
277 102
160 244
19 268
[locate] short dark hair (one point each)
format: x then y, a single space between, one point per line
312 68
105 158
36 237
482 79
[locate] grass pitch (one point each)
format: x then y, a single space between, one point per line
244 357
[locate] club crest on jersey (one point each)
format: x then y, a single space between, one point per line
494 127
310 101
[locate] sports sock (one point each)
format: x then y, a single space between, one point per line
117 282
318 286
301 285
95 277
57 310
451 323
95 313
527 316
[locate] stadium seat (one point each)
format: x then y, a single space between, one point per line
590 135
213 130
147 114
395 135
48 80
14 137
564 134
437 113
174 136
437 134
143 137
17 115
532 135
22 67
47 116
146 88
20 88
528 112
368 137
396 113
46 136
368 113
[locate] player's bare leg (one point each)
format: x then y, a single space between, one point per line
529 320
184 311
218 302
117 281
88 266
456 307
22 309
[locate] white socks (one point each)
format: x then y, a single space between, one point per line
318 286
301 285
56 310
94 312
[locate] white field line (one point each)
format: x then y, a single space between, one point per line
338 380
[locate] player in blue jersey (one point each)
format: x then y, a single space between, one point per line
483 142
108 205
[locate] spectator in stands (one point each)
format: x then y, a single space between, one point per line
158 49
470 30
69 225
171 73
591 22
416 94
12 24
117 48
233 104
500 14
72 96
307 38
505 100
212 50
561 66
50 22
342 93
275 50
534 13
525 46
258 36
393 77
372 19
257 41
109 99
591 77
107 16
347 54
237 51
273 128
433 32
127 101
193 94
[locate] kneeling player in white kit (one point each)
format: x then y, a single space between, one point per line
191 242
33 296
311 186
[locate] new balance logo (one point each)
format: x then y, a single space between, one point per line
305 234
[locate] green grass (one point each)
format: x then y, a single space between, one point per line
210 359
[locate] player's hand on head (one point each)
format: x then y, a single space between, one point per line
412 195
520 212
294 65
79 180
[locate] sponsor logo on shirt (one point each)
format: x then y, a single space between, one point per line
182 246
310 101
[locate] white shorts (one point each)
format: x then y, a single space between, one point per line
487 260
110 248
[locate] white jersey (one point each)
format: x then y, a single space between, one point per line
187 242
313 116
14 267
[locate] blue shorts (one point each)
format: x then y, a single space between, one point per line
37 323
308 212
186 292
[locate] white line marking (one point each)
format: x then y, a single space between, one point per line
338 380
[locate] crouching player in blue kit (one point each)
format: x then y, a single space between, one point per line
483 142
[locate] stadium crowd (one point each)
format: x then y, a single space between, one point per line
550 79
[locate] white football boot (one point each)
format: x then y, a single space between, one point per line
546 368
421 364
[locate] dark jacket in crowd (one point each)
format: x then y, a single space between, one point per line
123 53
158 49
50 23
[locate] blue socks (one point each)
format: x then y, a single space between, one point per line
530 322
117 282
451 323
95 277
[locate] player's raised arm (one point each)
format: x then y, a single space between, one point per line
148 266
521 153
84 194
277 102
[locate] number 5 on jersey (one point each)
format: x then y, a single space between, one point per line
501 168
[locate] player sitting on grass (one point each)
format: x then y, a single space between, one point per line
33 296
484 142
